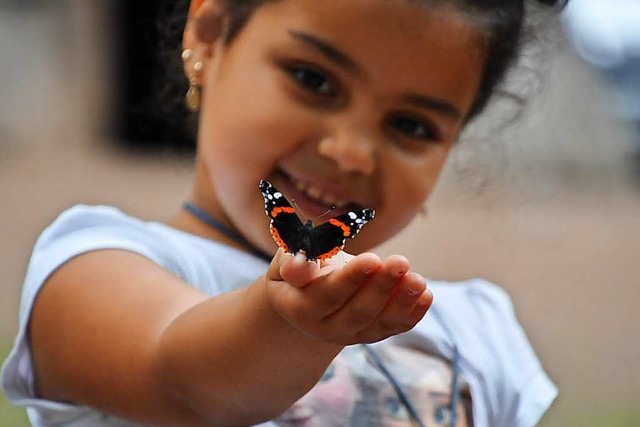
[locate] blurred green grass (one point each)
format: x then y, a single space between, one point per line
10 415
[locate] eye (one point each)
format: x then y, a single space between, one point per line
413 127
313 80
442 415
396 409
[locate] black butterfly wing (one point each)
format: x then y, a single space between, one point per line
329 238
285 225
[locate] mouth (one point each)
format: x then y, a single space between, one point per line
318 196
314 199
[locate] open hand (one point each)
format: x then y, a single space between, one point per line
347 299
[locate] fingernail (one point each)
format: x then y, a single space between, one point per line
369 269
422 302
401 273
412 290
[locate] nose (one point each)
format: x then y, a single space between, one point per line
351 150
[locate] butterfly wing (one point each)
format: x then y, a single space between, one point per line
285 225
329 238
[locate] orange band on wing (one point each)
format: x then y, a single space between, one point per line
278 239
331 253
346 230
277 210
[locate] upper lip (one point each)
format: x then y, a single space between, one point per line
323 191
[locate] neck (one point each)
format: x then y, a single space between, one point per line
208 219
205 225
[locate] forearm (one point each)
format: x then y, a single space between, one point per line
233 360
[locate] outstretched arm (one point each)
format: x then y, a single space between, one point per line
149 348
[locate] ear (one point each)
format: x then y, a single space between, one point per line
204 28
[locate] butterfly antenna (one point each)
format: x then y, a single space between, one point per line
293 201
329 211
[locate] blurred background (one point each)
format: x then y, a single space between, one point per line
548 208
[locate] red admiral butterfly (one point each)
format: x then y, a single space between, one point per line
321 242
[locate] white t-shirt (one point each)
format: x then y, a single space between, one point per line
508 387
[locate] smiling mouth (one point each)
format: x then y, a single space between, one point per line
318 196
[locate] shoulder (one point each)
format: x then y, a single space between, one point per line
473 315
479 317
207 265
473 299
84 228
82 218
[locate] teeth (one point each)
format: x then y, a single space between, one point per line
329 200
315 194
340 204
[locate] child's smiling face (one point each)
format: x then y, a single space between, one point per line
336 102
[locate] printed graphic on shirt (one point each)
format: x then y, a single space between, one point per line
353 392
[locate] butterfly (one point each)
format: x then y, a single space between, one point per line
318 243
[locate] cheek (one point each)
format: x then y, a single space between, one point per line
255 110
410 181
404 187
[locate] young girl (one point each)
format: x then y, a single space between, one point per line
199 321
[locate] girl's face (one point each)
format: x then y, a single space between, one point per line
346 103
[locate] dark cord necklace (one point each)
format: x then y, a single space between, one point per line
375 359
226 231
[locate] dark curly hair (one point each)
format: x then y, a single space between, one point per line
502 21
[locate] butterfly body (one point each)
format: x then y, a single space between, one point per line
318 243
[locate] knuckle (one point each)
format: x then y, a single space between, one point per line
329 300
387 325
360 317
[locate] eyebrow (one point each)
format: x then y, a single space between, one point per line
344 61
434 104
331 52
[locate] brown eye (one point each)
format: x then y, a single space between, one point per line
413 127
312 80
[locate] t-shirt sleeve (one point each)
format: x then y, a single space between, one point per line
79 230
508 385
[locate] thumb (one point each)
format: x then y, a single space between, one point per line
294 270
273 272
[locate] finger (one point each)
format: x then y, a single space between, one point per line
401 305
419 310
297 271
382 329
367 304
331 291
273 272
339 260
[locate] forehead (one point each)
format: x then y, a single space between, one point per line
435 47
